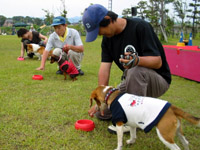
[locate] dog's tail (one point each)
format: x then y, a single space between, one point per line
180 113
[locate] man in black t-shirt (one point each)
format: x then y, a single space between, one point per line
30 37
134 47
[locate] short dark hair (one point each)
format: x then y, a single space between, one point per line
21 32
106 22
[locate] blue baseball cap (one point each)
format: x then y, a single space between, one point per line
92 16
58 20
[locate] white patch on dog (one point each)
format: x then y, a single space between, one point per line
106 88
35 47
119 137
169 145
181 137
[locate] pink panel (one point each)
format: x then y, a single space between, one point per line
184 61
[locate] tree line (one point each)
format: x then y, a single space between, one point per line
185 17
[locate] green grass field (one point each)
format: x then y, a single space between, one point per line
40 115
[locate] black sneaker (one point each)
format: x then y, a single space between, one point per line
59 72
80 72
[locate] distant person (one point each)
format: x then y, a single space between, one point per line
32 29
13 30
66 39
30 37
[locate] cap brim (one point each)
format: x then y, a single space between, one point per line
92 35
55 24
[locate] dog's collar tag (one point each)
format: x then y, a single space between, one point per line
109 93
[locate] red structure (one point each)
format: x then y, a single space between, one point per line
184 61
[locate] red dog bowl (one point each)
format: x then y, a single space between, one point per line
85 125
20 58
37 77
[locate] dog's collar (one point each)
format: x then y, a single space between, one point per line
109 93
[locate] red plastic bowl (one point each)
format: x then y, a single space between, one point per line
37 77
84 125
20 58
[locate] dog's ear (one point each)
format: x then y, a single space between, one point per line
93 96
52 59
29 46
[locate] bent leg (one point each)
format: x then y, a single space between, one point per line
76 58
143 82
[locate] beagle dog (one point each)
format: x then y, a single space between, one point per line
145 113
37 50
67 67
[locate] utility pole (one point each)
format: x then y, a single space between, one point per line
110 5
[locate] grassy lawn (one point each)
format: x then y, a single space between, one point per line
40 115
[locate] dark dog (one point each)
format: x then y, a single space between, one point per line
67 67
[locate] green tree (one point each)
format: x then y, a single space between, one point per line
49 17
180 8
18 19
2 20
126 13
195 15
141 9
63 11
38 21
152 14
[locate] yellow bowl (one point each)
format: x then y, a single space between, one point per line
180 44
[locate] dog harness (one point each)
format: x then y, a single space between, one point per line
71 68
138 111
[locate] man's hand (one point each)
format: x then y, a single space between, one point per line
66 48
129 60
92 111
40 68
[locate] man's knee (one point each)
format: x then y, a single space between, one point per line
136 73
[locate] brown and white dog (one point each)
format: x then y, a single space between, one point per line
168 122
37 50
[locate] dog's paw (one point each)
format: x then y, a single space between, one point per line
118 149
130 141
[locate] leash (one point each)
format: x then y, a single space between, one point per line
109 93
60 57
133 54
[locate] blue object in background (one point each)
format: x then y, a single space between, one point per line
190 40
181 37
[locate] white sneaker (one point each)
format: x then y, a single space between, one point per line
112 129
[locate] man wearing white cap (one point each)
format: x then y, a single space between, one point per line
136 50
66 39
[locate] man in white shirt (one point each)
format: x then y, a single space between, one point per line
68 40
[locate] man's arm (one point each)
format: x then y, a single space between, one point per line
44 38
77 49
22 49
104 73
44 58
152 62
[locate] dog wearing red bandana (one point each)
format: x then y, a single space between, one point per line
67 67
